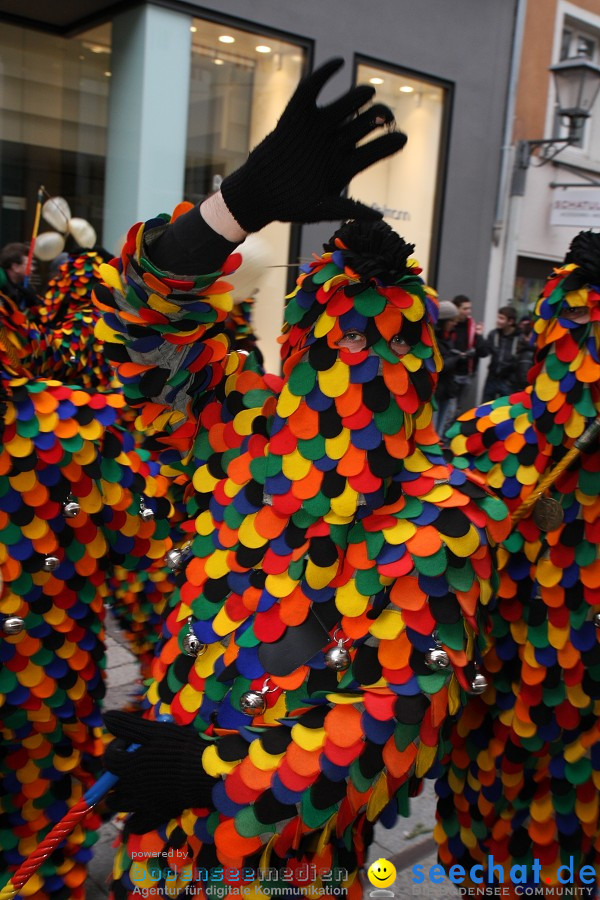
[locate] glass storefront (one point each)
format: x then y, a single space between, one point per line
530 279
407 188
53 114
240 83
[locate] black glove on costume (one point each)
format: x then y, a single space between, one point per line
296 174
162 777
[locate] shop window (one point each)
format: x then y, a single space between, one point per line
408 187
53 118
240 84
530 279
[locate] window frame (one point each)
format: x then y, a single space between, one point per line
580 22
441 173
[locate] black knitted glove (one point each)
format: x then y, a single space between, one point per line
297 173
162 777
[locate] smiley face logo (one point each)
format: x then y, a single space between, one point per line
381 873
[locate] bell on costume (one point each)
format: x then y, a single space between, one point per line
479 684
338 658
13 625
175 558
191 645
437 658
597 619
70 507
253 703
145 512
51 563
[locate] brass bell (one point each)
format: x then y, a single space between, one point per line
70 507
597 619
479 684
51 563
338 658
437 658
145 513
253 703
13 625
191 645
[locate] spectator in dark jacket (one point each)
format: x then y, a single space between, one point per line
470 342
13 269
504 344
525 350
447 387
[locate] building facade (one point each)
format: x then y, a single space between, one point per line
549 192
127 109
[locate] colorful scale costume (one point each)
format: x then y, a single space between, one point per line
16 349
238 327
68 310
56 340
72 487
64 323
524 758
330 552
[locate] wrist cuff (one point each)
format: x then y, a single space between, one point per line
189 246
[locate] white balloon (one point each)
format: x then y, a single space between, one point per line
255 256
56 212
82 232
48 245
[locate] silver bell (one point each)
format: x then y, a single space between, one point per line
437 658
13 625
51 563
145 513
70 507
73 359
173 560
191 645
176 557
253 703
597 619
338 658
479 684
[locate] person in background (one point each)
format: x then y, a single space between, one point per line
525 349
447 386
469 340
503 345
13 269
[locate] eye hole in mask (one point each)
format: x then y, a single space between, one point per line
355 341
578 314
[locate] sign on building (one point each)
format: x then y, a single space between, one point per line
578 207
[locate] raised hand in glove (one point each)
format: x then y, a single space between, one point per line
160 779
297 173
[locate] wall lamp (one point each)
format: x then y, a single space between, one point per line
577 82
